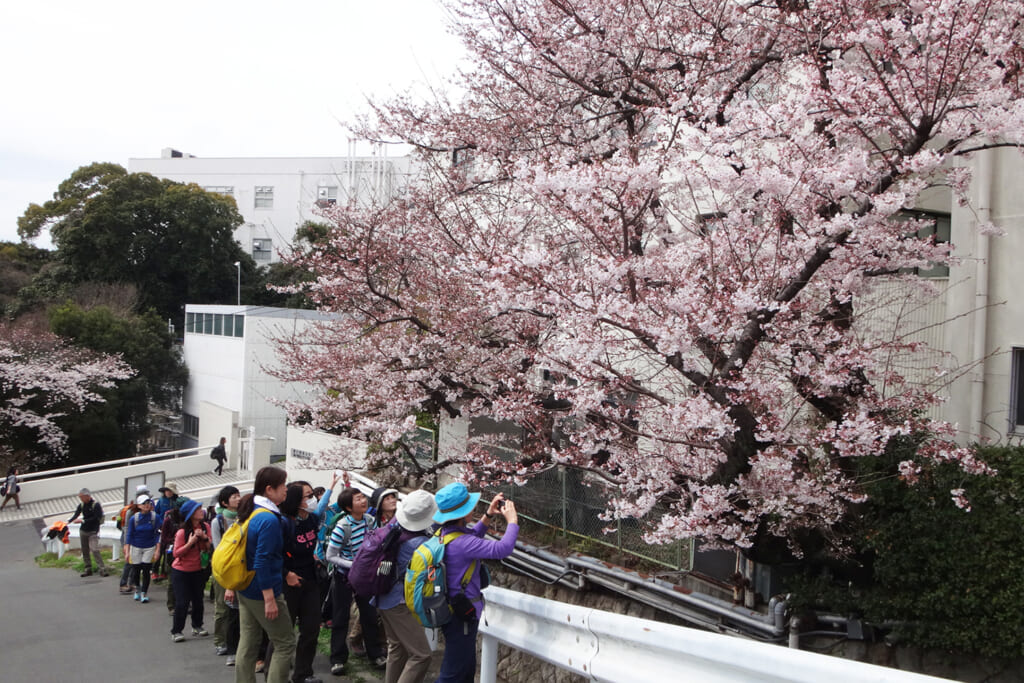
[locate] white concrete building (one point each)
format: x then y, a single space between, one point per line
228 351
276 195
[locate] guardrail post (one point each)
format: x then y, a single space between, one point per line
488 659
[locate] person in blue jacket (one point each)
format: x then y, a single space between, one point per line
261 604
140 539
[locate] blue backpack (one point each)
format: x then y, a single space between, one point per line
426 589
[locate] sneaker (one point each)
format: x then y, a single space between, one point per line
380 663
221 650
124 590
87 572
138 596
200 632
230 661
337 669
259 666
144 598
311 679
178 637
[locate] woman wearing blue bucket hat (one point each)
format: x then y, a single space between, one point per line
455 505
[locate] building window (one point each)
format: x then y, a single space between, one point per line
207 323
190 424
190 322
1017 392
326 195
261 249
937 226
218 323
239 325
221 189
264 197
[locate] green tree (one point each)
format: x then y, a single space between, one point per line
69 200
114 428
174 242
19 264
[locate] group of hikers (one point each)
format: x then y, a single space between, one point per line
303 554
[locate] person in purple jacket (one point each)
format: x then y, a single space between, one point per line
455 505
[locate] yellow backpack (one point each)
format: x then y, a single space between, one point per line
228 564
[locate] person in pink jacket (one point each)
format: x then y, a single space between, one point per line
192 548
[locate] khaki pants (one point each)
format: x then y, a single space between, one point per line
408 649
252 622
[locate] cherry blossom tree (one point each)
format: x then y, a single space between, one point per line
652 233
43 378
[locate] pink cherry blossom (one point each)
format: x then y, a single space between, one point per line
660 239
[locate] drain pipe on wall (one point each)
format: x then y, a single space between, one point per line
979 332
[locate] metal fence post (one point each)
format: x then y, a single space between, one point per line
561 475
488 659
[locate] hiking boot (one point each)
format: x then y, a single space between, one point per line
178 637
380 663
124 590
200 632
87 572
337 669
221 650
104 573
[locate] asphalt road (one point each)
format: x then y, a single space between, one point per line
56 626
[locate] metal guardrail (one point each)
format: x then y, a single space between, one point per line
602 646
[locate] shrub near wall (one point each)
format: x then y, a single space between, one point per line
939 576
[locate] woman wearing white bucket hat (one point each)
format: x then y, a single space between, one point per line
408 649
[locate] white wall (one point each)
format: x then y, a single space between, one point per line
295 181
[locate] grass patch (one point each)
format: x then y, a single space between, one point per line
72 559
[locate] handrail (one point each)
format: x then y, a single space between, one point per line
602 646
110 464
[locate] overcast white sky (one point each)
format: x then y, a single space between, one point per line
115 79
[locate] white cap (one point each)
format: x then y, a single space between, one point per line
144 498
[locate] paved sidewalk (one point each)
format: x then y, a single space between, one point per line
58 627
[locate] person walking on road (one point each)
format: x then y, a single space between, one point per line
89 532
140 540
187 576
220 455
11 489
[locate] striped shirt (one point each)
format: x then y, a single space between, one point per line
348 548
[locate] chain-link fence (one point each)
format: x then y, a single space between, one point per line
571 503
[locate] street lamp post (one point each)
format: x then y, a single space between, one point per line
238 267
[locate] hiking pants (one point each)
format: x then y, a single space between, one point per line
188 590
304 607
91 546
408 649
459 663
341 603
253 622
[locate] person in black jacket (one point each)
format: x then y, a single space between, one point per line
89 532
301 590
220 455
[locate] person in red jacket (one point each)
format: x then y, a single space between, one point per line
191 542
